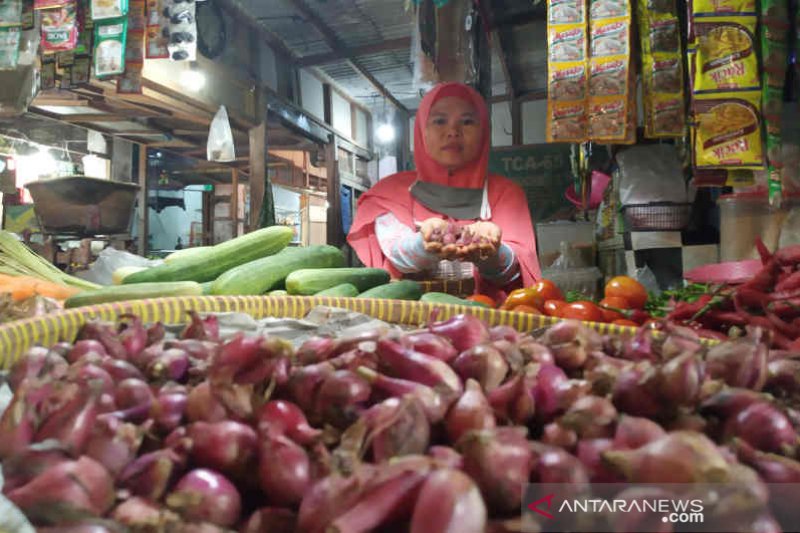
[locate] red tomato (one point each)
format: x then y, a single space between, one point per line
615 302
547 290
554 307
628 288
626 322
586 311
482 299
526 309
525 296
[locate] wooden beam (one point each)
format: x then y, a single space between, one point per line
116 117
350 53
258 172
59 102
235 200
142 222
338 47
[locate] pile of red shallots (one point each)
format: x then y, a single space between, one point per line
434 430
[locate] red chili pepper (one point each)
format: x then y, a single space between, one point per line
763 251
765 279
686 310
788 281
724 318
784 328
780 295
786 309
789 256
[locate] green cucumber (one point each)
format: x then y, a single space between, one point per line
444 298
261 275
278 292
346 290
209 264
187 252
397 290
309 281
139 291
207 287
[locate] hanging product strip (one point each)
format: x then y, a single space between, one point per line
130 82
589 76
157 32
610 110
567 72
726 90
10 33
662 69
774 33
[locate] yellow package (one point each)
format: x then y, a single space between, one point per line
566 122
663 75
725 55
722 7
663 36
566 81
610 37
566 12
566 42
604 9
665 116
727 131
608 118
608 76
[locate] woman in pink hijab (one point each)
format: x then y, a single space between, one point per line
451 183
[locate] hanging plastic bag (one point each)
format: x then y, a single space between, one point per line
220 138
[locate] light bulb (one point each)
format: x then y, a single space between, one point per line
192 80
385 133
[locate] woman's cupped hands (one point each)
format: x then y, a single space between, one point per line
473 242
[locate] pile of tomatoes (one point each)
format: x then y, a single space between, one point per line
623 302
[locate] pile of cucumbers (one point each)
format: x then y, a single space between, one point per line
260 262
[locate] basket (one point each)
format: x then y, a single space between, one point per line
661 216
18 336
83 206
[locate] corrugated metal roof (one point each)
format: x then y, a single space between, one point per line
358 23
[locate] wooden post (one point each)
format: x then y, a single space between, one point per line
142 222
258 173
516 121
235 200
334 219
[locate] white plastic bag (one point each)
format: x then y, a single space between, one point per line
220 138
651 173
109 260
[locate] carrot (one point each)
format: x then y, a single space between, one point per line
19 290
23 287
54 290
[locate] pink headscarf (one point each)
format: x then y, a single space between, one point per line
391 194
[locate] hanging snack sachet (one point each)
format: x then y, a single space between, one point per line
108 9
727 130
725 56
110 37
610 109
567 70
662 69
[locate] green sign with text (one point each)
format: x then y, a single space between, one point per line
543 171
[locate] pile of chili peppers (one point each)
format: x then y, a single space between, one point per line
770 300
